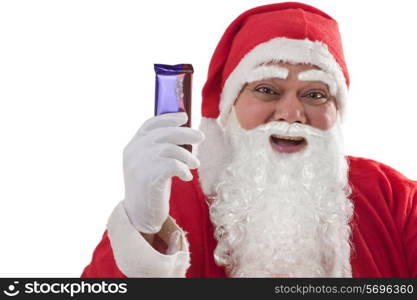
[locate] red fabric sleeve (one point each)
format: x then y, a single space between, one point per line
403 204
384 227
103 264
410 232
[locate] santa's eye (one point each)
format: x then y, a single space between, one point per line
315 97
265 90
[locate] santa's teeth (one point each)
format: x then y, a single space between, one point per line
291 138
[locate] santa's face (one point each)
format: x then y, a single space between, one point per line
291 98
282 214
279 189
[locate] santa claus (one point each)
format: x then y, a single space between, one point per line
269 191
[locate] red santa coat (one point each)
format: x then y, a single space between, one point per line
384 226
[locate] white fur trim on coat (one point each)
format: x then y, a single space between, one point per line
287 50
135 257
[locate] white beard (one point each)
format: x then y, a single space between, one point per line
282 214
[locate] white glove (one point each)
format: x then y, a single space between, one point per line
151 158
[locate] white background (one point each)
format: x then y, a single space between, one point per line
77 81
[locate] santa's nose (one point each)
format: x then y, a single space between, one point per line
289 109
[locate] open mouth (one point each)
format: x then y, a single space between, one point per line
287 144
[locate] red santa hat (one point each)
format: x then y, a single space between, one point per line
289 32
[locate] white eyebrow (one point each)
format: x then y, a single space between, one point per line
266 72
319 75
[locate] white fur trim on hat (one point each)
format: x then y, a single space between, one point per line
281 49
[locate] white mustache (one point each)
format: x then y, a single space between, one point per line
292 130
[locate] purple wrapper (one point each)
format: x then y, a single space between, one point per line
173 90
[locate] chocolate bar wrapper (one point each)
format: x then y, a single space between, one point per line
173 90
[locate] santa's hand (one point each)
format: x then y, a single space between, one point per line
150 160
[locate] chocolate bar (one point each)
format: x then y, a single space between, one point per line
173 90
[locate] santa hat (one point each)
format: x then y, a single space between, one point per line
288 32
